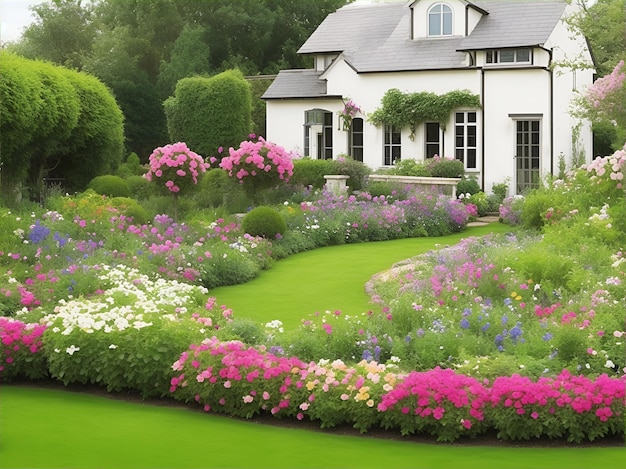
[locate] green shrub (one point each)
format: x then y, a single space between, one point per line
264 221
227 266
357 171
131 167
468 186
131 208
309 172
140 187
445 167
215 186
378 188
110 185
410 167
246 330
535 207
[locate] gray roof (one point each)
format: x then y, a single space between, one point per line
296 84
375 37
514 24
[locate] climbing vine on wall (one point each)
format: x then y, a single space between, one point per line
410 109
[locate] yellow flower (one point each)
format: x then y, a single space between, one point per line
513 295
310 385
518 297
370 403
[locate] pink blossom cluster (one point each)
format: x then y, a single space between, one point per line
605 86
602 397
233 378
613 166
177 165
17 337
255 158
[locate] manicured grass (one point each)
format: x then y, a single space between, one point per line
331 278
48 428
51 428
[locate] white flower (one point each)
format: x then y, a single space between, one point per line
71 349
112 346
609 364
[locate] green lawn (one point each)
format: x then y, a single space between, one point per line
52 428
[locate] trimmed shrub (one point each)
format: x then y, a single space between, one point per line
409 167
131 208
309 172
468 186
357 171
445 167
208 113
264 221
131 167
110 185
140 187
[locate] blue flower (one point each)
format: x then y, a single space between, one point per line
505 319
515 333
38 233
465 323
499 339
367 355
547 336
485 327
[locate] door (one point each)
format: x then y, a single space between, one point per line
527 154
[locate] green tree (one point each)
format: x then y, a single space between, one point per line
207 113
189 57
63 33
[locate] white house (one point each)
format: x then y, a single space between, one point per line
502 51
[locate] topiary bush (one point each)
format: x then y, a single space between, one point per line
131 167
264 221
110 185
215 185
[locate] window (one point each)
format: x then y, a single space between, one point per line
356 139
433 139
508 56
527 154
392 145
318 129
440 20
465 138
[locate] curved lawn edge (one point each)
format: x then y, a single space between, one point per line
78 430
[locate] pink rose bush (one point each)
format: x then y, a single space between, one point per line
258 164
176 167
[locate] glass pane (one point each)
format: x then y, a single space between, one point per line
459 154
458 142
357 154
357 124
490 56
432 150
395 138
523 55
432 132
535 151
328 118
459 118
535 163
387 135
471 158
535 126
507 56
447 21
535 138
471 117
434 25
357 140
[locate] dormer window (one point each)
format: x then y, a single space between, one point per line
440 20
508 56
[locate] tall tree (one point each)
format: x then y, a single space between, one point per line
63 33
189 57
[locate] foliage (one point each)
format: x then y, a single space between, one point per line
510 210
357 171
407 110
445 167
210 113
349 112
309 172
131 167
60 124
257 165
468 186
264 221
190 56
139 186
110 185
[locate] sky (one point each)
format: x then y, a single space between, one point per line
14 17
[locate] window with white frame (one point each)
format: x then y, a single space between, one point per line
508 56
440 20
392 145
356 139
432 139
465 138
